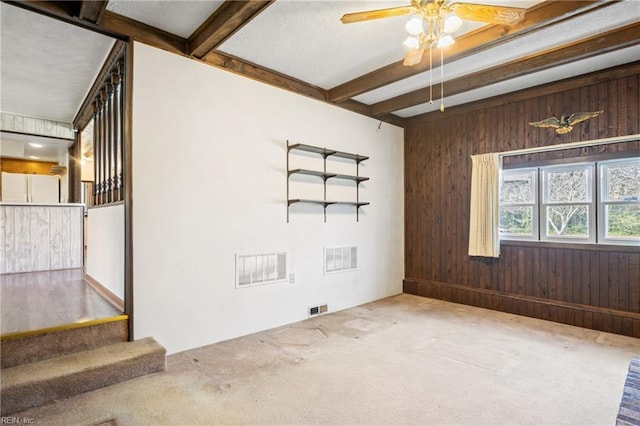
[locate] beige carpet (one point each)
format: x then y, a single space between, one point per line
402 360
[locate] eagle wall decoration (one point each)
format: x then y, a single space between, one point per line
563 124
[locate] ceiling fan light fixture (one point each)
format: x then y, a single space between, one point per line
414 26
445 41
452 23
412 42
431 25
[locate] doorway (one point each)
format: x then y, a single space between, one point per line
52 71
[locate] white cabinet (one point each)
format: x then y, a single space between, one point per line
21 188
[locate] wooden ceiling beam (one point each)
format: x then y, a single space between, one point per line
223 23
364 109
570 83
92 10
64 11
537 17
264 75
62 8
125 28
616 39
144 33
281 81
88 10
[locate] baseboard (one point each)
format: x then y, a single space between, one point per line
116 301
592 317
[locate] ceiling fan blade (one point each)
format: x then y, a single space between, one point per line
488 13
413 57
376 14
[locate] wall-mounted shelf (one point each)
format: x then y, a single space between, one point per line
327 152
325 176
326 203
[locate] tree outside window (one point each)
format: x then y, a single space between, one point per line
568 202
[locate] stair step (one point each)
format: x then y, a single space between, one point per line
39 383
23 348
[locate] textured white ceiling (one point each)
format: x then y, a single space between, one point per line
307 40
179 17
573 29
47 66
571 69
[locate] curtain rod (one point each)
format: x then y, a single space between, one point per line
570 145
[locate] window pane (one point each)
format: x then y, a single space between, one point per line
623 221
567 221
568 186
516 220
517 187
623 182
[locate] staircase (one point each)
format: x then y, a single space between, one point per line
40 368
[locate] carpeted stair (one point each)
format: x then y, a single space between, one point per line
75 368
23 348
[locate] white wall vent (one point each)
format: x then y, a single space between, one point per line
338 259
258 269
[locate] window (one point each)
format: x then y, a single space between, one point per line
594 202
518 212
568 203
620 201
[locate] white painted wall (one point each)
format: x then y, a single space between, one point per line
209 181
105 247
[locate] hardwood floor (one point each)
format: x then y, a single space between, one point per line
37 300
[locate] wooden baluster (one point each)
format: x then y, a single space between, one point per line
121 121
96 151
103 147
117 148
109 141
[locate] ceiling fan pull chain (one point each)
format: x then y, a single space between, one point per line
441 79
430 74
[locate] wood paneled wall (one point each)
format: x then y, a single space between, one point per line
592 287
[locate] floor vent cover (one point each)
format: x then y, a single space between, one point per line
317 310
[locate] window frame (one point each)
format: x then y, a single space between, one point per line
603 202
597 203
535 220
544 203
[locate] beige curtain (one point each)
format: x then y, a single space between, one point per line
484 238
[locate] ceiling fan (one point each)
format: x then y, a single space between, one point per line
435 20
